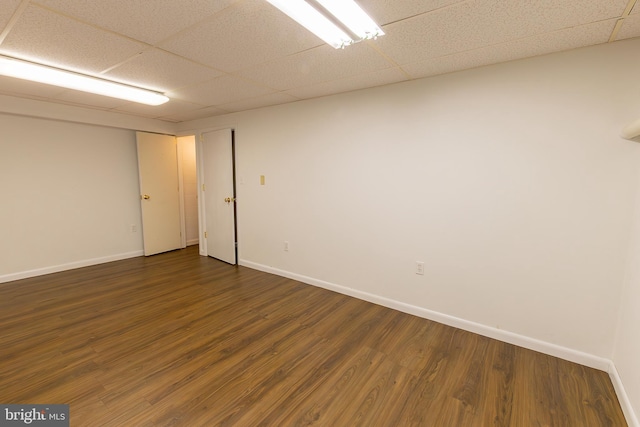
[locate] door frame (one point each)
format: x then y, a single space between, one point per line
202 224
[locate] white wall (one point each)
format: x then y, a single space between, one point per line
69 194
626 354
510 182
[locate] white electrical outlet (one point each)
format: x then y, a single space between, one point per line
134 228
286 246
420 268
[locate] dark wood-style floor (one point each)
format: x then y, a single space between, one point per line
177 339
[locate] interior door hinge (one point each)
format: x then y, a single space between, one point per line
202 187
205 234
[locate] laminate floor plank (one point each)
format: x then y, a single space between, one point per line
497 407
182 340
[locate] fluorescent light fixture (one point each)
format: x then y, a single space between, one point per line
351 15
314 21
338 22
12 67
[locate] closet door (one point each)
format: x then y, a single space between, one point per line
219 195
159 192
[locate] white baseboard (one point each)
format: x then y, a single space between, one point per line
501 335
193 242
69 266
487 331
623 398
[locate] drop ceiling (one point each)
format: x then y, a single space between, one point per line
213 57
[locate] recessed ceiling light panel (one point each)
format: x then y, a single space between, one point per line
352 15
319 17
314 21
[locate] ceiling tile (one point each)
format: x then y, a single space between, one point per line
246 34
11 86
159 70
630 27
473 24
221 90
7 10
216 56
317 65
385 12
174 106
63 102
360 81
47 37
571 38
260 101
144 20
195 114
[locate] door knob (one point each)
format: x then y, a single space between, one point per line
229 199
146 197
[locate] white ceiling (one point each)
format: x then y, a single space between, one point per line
212 57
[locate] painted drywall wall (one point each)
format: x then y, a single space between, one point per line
69 194
627 346
187 146
509 182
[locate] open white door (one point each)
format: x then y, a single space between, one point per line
159 192
218 195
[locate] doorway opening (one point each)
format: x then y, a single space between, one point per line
204 206
188 184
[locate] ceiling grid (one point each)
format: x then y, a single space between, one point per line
212 57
